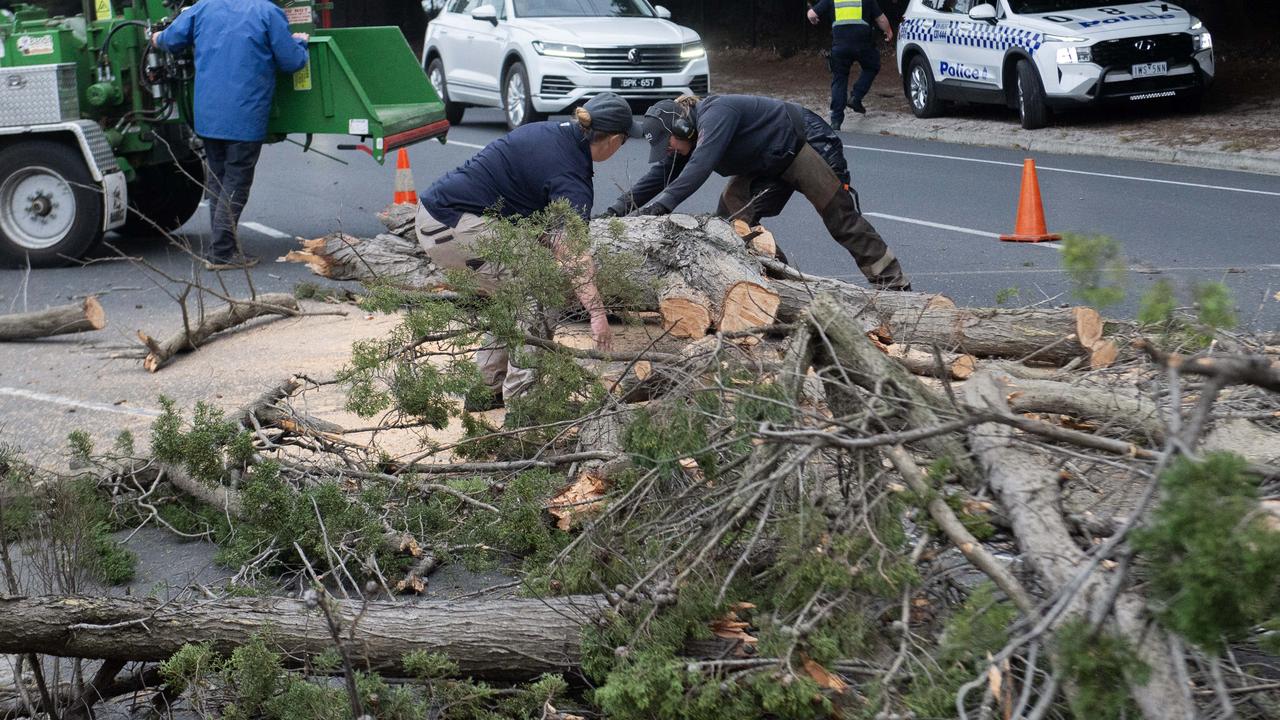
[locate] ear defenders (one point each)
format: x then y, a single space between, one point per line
675 122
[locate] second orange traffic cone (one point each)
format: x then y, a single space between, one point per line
405 194
1030 226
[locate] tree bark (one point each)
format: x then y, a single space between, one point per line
511 639
1046 336
1028 490
215 322
80 317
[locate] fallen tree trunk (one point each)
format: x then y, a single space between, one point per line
1046 336
1028 489
511 639
235 314
80 317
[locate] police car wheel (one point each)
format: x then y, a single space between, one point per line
920 89
50 206
1030 96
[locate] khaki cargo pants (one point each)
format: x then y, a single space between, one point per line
811 175
455 248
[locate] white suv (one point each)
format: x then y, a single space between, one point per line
533 57
1035 55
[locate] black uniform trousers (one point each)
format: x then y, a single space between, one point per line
843 55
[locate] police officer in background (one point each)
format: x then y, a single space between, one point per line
851 42
769 149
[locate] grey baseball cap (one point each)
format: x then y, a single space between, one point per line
611 114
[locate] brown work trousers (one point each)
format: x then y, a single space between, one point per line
811 175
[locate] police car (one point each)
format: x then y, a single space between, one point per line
1036 55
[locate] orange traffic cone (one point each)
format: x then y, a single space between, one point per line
405 194
1030 226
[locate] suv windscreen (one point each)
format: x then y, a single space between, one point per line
1034 7
582 8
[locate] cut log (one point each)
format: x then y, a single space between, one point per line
757 238
686 313
1045 336
387 258
879 305
956 366
511 639
747 305
237 313
80 317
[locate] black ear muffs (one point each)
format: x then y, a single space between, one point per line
676 122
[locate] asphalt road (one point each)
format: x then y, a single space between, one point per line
939 206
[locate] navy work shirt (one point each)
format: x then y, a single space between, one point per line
240 45
737 135
849 34
518 174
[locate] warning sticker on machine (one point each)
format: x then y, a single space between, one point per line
302 78
102 10
298 15
35 45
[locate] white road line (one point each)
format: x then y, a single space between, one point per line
269 231
954 228
1049 168
72 402
463 144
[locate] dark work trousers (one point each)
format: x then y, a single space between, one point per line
810 174
843 56
231 165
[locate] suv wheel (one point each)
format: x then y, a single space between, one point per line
920 89
1031 105
517 97
435 73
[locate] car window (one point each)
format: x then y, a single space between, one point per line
1034 7
961 7
582 8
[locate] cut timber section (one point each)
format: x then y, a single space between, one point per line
759 240
85 316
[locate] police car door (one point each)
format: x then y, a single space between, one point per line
972 55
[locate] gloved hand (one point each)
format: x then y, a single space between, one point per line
650 209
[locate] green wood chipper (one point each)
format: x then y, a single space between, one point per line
96 124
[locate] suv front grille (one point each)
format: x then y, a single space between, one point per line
701 85
556 85
1174 47
638 59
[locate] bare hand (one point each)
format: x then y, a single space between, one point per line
888 36
813 17
601 332
301 36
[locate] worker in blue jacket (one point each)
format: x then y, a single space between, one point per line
516 176
240 46
769 149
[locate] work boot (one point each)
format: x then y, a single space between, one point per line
835 121
855 104
238 261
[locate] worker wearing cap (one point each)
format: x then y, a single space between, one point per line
240 46
516 176
769 149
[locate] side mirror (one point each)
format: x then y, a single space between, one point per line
985 13
485 13
662 12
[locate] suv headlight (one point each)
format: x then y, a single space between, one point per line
692 51
1203 41
1074 55
563 50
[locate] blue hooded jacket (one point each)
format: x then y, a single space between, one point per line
240 45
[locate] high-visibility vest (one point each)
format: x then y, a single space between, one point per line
848 12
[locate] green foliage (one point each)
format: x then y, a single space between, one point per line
185 667
1096 267
109 561
979 627
1098 665
660 438
429 665
1213 559
521 526
253 673
81 446
212 443
124 444
1008 295
1215 307
1158 305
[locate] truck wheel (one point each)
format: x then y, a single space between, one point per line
920 89
517 98
50 207
1031 106
164 197
452 111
